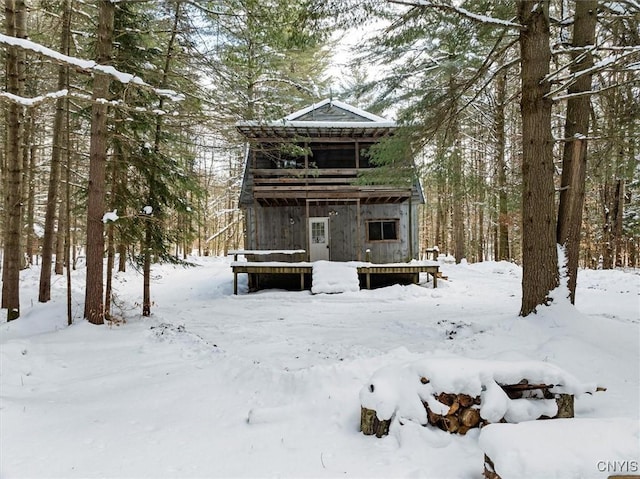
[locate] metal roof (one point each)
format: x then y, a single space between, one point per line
343 121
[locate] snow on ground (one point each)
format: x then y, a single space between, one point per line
334 277
267 384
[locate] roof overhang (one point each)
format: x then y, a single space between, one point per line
296 130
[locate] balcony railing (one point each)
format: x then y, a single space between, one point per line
289 185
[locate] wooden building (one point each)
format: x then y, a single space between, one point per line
301 188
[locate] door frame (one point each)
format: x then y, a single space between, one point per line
317 219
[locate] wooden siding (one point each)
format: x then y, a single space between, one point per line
285 227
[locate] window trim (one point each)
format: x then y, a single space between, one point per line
396 222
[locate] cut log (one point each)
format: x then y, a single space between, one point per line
489 470
432 417
470 417
449 424
465 400
525 389
450 400
370 424
565 405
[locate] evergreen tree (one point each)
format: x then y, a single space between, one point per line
266 58
15 26
150 161
94 303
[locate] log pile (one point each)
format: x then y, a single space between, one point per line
464 410
463 413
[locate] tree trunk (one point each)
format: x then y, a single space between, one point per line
458 203
606 193
617 222
539 256
114 204
94 307
12 197
67 202
574 158
58 267
149 224
108 293
122 257
29 153
501 168
146 271
44 293
480 205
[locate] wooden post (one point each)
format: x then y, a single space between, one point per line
410 235
235 281
359 240
306 230
301 281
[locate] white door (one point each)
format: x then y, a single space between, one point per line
318 239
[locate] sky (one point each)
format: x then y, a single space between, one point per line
271 384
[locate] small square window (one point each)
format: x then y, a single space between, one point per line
383 230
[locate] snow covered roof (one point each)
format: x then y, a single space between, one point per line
328 118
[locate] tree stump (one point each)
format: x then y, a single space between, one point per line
370 424
565 405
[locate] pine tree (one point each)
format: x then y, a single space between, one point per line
148 160
94 303
44 293
539 256
15 26
267 59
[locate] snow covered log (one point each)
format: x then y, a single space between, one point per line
456 394
370 424
585 448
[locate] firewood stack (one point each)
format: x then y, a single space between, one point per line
464 410
463 413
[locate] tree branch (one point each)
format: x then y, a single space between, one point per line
459 11
86 66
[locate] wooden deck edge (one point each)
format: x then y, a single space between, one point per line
367 271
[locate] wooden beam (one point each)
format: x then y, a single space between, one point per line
302 172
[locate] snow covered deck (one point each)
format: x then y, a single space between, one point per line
305 270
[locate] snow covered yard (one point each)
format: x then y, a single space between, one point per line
267 384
